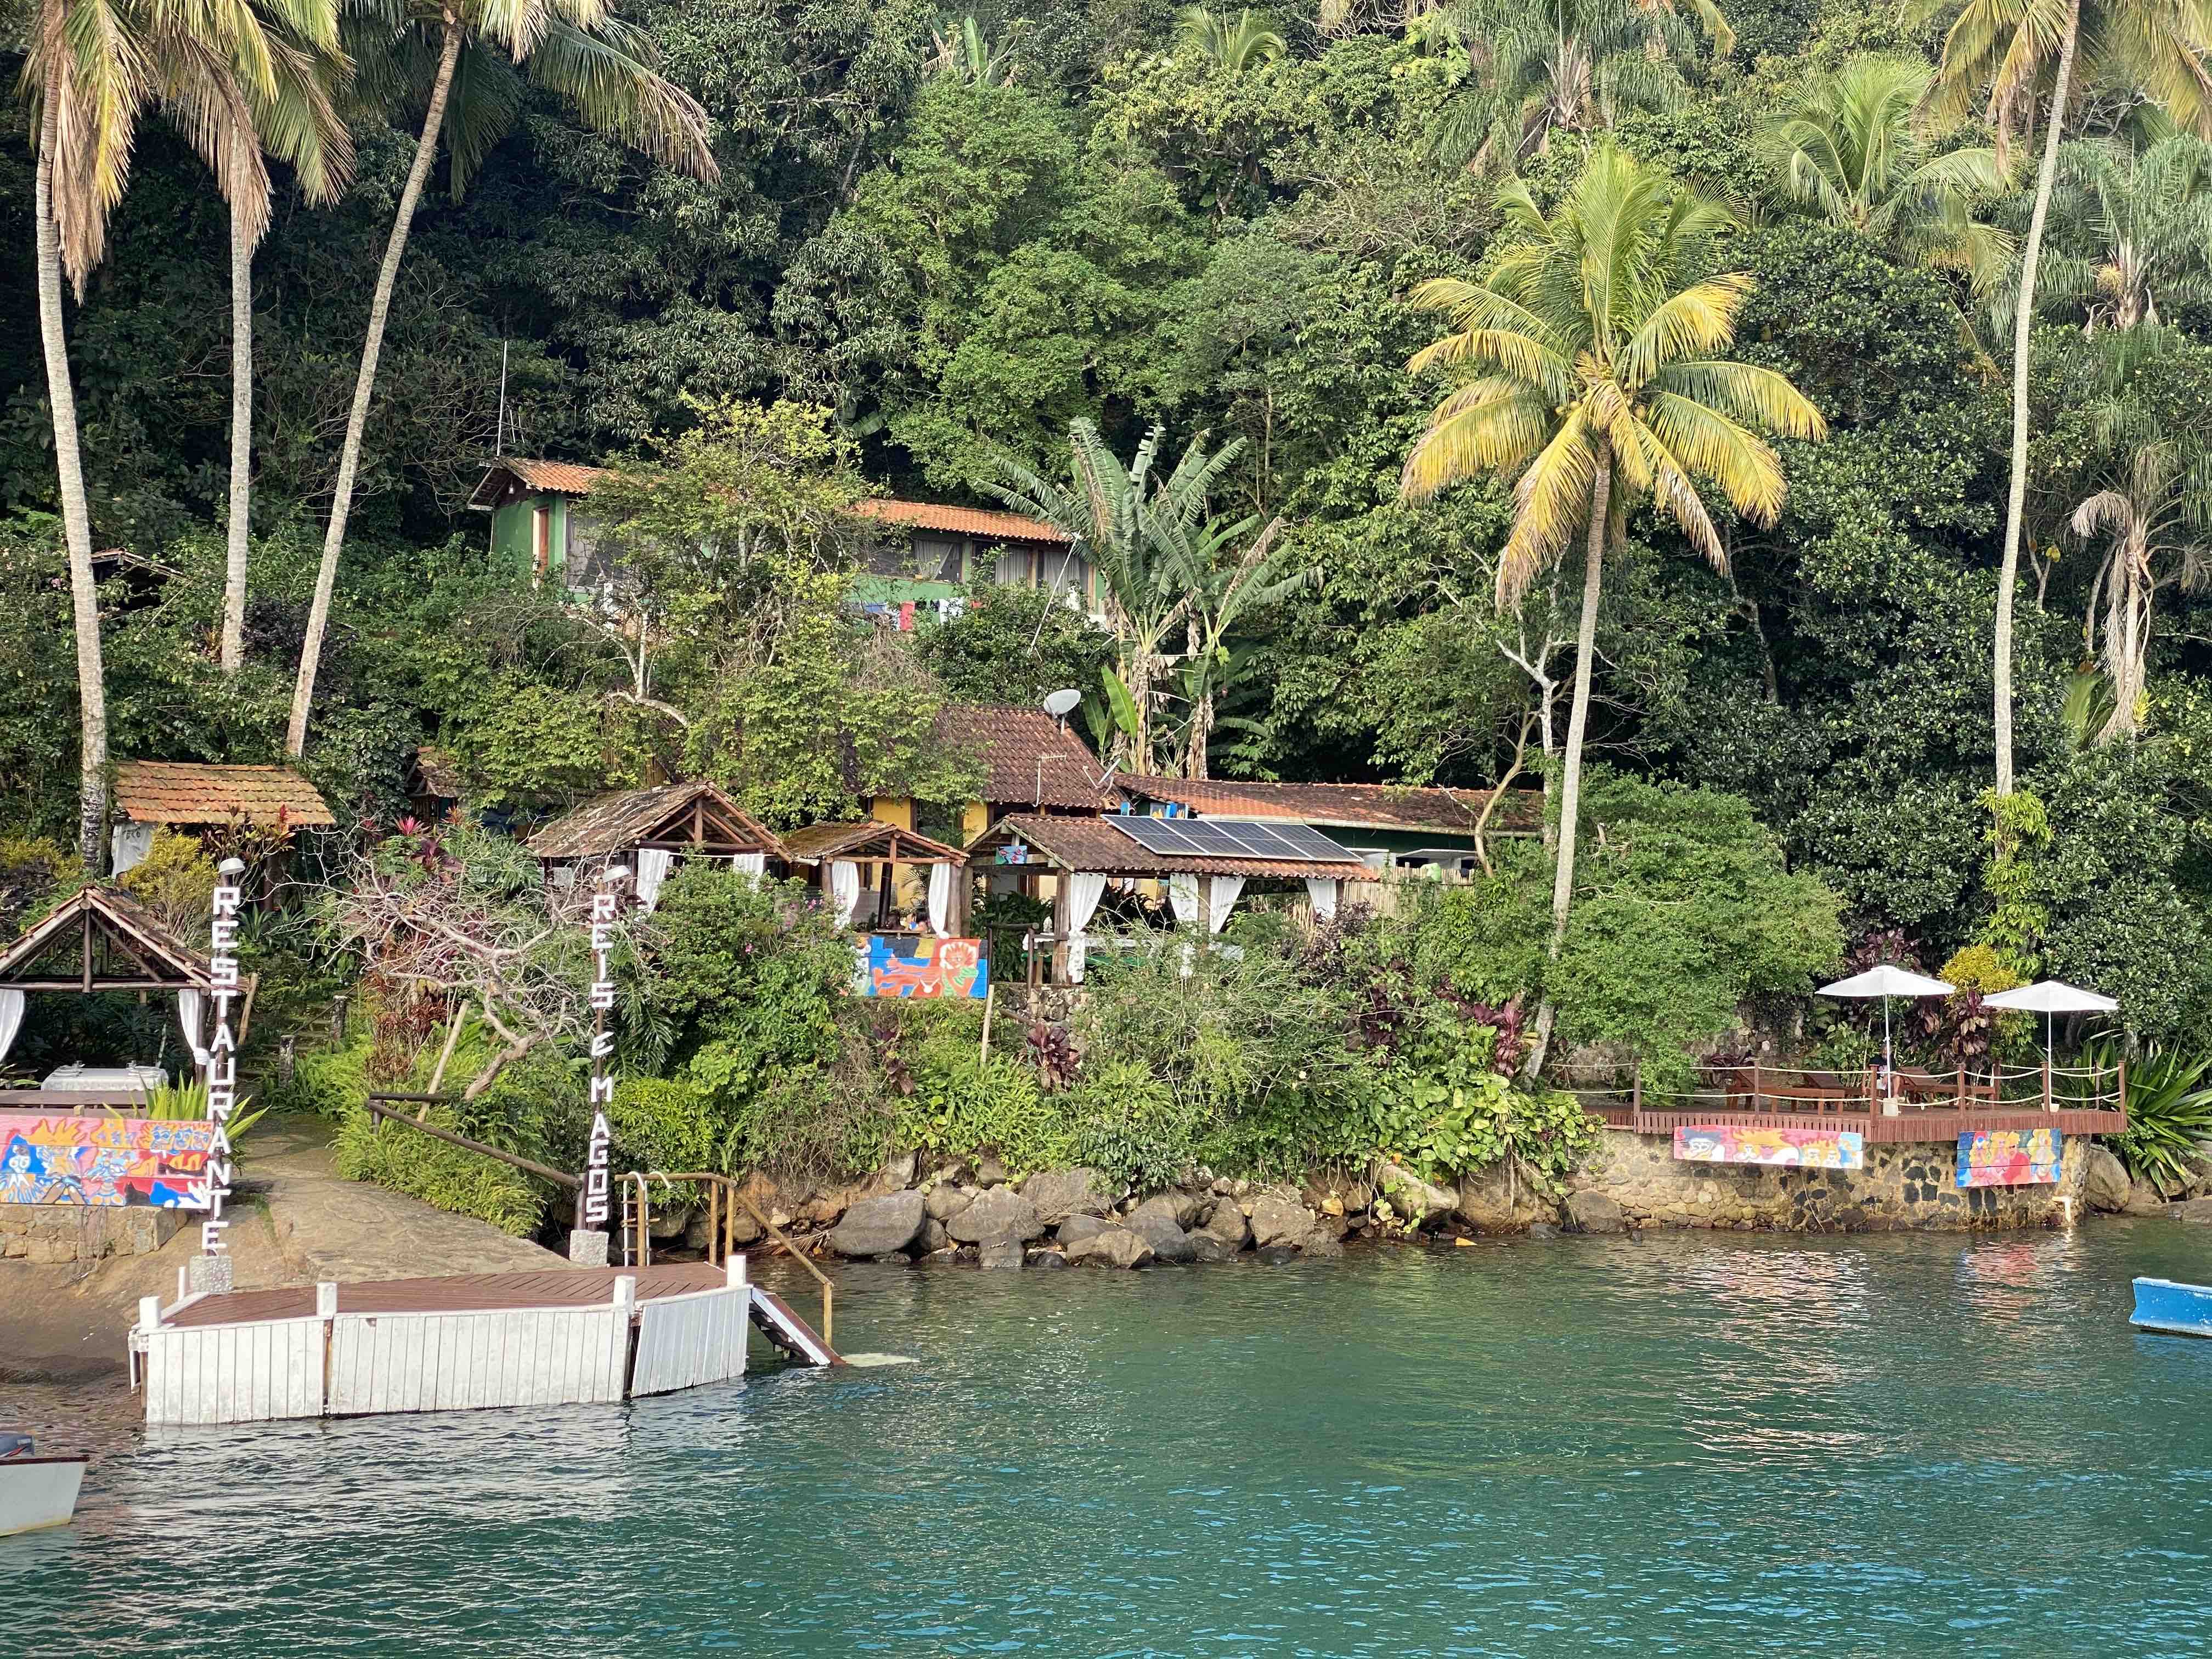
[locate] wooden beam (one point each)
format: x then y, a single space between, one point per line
86 917
79 988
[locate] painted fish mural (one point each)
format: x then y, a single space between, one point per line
104 1161
1782 1149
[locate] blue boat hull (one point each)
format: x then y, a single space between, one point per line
2162 1304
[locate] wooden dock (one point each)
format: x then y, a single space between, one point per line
566 1336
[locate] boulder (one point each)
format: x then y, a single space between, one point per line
1322 1246
1047 1260
1422 1203
2144 1199
1276 1220
1225 1221
1491 1201
989 1172
2197 1210
879 1226
1277 1255
1211 1247
1112 1247
1592 1212
1077 1228
1333 1193
998 1212
1060 1194
1000 1253
896 1172
1179 1210
946 1201
2105 1184
1542 1230
1157 1229
950 1175
932 1238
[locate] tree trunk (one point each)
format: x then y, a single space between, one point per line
241 435
2023 326
1571 780
1201 737
76 514
380 310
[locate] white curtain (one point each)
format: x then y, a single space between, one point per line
1322 890
11 1018
1085 889
188 1016
132 842
940 899
653 865
1225 890
845 889
750 864
1183 898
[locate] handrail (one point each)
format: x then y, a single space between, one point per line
721 1222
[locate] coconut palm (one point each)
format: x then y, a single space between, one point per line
467 59
1599 384
1235 45
1563 66
285 106
2153 518
93 71
2001 57
2131 232
1845 149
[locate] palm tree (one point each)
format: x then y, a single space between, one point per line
2153 517
1565 66
283 105
600 66
93 69
1143 536
2131 229
1221 588
1234 45
2008 47
1847 151
1599 385
962 51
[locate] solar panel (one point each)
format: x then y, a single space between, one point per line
1218 838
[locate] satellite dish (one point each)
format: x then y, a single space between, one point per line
1061 704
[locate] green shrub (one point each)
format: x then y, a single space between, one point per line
1123 1120
996 1107
445 1176
661 1123
2169 1111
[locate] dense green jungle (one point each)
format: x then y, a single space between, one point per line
1697 413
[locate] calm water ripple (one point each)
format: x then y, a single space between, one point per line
1694 1445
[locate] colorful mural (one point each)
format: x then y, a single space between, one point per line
938 967
2010 1158
105 1161
1780 1149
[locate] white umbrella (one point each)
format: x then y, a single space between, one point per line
2050 998
1887 981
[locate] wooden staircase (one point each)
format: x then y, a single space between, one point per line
787 1333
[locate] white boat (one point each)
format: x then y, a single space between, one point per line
36 1491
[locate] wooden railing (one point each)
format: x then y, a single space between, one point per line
724 1195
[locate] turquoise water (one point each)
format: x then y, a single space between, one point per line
1693 1445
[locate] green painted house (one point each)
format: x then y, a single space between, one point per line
542 524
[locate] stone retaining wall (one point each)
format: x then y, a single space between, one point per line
79 1232
1903 1187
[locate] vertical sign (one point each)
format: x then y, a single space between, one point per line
603 905
219 1071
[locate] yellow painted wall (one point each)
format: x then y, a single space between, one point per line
974 819
892 809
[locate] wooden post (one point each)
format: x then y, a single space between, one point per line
1636 1096
1757 1087
1060 913
714 1217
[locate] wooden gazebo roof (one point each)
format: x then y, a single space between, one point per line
677 817
100 940
868 841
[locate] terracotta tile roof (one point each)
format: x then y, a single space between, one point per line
962 521
1346 805
618 823
1031 758
866 838
194 793
1095 844
562 477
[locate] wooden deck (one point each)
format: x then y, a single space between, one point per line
1911 1124
555 1287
